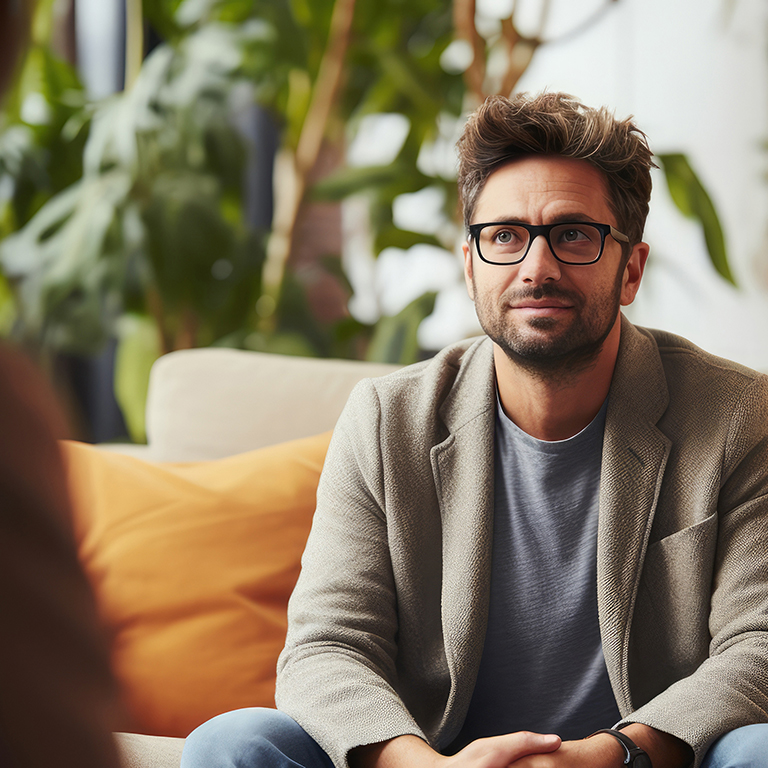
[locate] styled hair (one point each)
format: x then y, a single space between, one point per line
502 129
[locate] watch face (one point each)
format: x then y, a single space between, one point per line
641 761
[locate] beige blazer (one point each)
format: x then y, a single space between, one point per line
387 622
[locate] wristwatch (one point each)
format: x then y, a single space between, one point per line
636 757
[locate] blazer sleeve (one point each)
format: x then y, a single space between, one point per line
337 675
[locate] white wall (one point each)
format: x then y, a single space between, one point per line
99 29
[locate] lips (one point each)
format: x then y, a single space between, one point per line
542 305
541 298
534 303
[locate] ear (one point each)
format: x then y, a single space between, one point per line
633 273
466 249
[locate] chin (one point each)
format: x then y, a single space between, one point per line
550 352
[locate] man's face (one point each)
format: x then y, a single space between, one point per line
544 314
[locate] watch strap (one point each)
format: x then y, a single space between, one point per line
632 750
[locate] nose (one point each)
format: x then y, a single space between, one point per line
539 265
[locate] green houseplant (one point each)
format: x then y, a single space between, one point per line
137 229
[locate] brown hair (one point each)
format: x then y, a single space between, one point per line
556 124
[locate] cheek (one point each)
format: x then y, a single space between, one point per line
481 281
487 289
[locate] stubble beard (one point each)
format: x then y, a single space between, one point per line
557 357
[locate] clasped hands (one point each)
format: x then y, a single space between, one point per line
524 749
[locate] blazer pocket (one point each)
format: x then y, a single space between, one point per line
692 536
677 571
671 621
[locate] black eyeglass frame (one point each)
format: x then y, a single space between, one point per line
534 230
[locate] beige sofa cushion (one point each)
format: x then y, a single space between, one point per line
210 403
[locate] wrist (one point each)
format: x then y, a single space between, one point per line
607 749
397 752
633 755
664 749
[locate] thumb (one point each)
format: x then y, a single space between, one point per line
522 743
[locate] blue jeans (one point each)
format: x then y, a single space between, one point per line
252 738
266 738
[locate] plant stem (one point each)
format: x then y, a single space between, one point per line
520 52
465 27
292 169
134 41
156 311
186 336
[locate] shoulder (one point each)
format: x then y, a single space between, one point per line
688 367
420 405
426 386
695 395
660 375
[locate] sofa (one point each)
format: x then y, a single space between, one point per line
192 542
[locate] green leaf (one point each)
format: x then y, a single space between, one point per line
395 339
7 307
694 202
138 347
44 21
161 14
280 343
389 236
193 12
65 270
333 266
402 71
349 180
297 104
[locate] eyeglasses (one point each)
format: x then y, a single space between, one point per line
573 242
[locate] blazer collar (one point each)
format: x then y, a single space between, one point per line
473 392
462 466
635 454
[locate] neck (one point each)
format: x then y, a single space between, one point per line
560 405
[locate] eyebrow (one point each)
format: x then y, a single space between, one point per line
564 218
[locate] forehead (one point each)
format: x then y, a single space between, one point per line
542 189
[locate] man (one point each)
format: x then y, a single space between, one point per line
556 530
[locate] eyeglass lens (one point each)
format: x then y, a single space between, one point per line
574 243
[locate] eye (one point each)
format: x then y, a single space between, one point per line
572 235
500 240
508 236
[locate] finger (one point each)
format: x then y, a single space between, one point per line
505 749
522 743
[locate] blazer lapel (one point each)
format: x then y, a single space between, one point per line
462 466
635 454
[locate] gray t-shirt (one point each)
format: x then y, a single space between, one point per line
543 668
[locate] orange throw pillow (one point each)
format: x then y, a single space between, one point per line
192 565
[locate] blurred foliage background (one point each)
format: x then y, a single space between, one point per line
200 205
